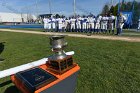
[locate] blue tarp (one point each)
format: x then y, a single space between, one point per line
129 16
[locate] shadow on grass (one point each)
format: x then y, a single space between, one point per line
1 49
5 83
12 89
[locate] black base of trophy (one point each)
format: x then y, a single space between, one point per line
61 66
35 78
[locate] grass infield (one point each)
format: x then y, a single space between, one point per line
106 66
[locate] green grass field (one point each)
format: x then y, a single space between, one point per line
106 66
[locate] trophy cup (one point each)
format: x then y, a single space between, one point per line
59 62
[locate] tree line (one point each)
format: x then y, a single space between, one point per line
124 7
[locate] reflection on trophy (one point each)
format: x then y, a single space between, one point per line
59 62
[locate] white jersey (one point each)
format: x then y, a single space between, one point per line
46 23
121 19
72 20
49 21
87 20
98 19
84 20
84 23
111 19
53 20
63 22
104 20
67 21
46 20
78 20
60 21
91 20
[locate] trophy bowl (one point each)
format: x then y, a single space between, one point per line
58 44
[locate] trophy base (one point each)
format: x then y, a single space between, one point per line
64 83
35 78
61 66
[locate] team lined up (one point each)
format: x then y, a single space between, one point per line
82 24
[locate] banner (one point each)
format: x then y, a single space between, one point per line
129 16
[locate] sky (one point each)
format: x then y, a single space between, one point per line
57 6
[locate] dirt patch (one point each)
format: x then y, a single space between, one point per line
121 38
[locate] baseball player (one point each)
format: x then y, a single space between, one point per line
104 22
87 24
49 24
46 20
66 24
53 23
78 23
120 23
91 23
84 24
111 22
97 27
60 24
72 21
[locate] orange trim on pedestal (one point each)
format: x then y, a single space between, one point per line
61 77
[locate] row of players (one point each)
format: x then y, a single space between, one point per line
82 24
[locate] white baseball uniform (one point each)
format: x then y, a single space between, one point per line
72 20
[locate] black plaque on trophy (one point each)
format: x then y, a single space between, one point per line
35 78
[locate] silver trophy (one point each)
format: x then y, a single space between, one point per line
58 44
59 62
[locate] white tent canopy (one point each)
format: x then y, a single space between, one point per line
16 17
